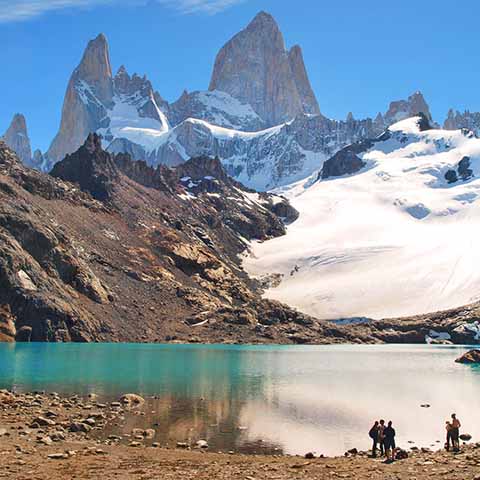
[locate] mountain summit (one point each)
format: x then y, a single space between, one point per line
89 94
16 137
255 67
96 101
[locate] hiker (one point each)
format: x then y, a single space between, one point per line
381 437
389 442
455 433
373 434
448 427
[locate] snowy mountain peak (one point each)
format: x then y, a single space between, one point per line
16 137
121 107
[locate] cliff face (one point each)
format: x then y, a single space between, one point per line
297 65
255 68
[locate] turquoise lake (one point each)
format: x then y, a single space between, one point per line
263 399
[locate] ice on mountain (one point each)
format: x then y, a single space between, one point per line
394 239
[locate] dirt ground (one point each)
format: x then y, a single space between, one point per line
47 437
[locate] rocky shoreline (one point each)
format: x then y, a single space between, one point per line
48 436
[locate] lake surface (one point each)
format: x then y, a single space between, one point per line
263 399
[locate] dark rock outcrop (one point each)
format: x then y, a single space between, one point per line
463 168
463 172
451 176
90 167
471 357
346 161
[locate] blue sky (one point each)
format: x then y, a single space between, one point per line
360 55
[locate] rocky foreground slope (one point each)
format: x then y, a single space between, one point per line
107 249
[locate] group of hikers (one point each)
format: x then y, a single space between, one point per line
383 437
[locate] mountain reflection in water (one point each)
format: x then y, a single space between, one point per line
262 399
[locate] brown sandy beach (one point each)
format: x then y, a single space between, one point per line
45 436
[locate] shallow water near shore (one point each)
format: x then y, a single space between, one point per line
262 399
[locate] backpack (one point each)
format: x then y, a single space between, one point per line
373 433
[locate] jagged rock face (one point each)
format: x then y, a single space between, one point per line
94 96
269 158
16 137
138 92
205 167
90 167
402 109
297 65
255 68
468 120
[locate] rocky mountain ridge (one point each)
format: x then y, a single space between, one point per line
262 118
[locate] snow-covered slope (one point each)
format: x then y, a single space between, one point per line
217 108
393 239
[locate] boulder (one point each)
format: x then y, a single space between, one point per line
463 168
402 454
131 399
6 397
43 422
24 334
471 357
451 176
77 427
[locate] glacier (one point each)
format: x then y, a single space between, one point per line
394 239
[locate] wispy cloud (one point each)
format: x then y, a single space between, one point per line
210 7
17 10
